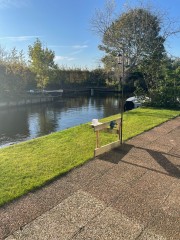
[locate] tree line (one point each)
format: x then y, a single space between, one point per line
39 71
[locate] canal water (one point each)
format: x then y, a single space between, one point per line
27 122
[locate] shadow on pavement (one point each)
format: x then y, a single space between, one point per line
164 162
116 156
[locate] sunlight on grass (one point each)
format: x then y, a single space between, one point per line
28 165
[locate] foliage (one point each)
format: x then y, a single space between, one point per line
14 72
139 35
41 63
31 164
167 91
136 33
17 76
97 78
76 77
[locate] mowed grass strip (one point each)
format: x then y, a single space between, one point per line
28 165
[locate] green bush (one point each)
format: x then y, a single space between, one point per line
166 96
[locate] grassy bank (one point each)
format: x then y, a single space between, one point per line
28 165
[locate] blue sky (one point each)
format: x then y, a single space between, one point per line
64 27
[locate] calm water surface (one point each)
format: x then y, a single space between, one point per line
27 122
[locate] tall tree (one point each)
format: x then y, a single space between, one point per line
41 63
14 72
137 33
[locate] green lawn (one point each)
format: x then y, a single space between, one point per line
28 165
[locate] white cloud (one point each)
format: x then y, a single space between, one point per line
63 58
79 46
73 50
59 58
76 52
69 46
18 38
13 3
56 46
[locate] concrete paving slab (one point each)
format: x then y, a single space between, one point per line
174 120
164 160
163 129
126 172
168 141
158 147
175 151
139 142
149 135
174 123
165 225
32 205
143 138
135 207
10 238
171 206
64 220
140 153
81 208
175 134
49 226
116 154
107 188
147 235
100 166
81 176
110 225
141 158
174 159
156 185
127 153
140 201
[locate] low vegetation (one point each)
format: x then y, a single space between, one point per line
31 164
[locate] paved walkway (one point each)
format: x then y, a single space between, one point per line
132 192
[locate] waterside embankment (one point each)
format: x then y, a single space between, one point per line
28 165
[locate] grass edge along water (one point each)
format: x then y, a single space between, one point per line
29 165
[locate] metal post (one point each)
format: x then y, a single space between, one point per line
122 95
121 108
121 62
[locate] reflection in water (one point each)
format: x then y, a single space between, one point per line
23 123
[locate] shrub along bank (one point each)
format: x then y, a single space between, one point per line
31 164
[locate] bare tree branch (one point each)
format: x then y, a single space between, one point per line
138 31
